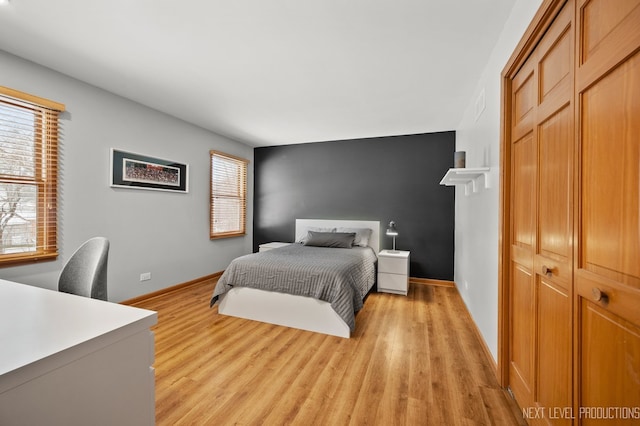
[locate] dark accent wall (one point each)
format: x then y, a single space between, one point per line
387 178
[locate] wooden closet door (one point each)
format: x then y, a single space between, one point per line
553 261
607 278
523 235
542 224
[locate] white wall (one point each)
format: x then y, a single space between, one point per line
160 232
476 222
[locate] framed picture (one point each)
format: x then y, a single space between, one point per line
129 170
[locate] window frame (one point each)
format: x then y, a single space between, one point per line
242 195
45 178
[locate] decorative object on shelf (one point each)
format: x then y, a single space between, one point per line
129 170
392 231
466 177
459 159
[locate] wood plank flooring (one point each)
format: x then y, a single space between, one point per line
412 360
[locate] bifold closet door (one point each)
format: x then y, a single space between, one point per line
607 278
542 206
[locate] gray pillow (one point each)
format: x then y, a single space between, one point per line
303 238
330 239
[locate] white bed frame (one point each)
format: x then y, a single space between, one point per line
301 312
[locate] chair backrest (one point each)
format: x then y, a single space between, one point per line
85 273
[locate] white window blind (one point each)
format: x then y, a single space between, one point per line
28 177
228 195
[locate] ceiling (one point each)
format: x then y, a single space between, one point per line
271 72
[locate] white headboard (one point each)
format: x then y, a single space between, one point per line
303 225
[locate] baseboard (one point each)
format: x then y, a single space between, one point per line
430 281
171 289
483 344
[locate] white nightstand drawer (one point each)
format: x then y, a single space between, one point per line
394 265
393 283
269 246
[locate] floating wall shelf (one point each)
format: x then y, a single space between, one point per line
466 177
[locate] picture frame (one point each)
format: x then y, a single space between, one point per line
138 171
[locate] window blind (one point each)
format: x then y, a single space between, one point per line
228 195
28 177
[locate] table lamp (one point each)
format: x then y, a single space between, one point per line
392 231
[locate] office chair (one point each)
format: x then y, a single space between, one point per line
85 273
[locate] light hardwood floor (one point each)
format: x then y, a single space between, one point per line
412 360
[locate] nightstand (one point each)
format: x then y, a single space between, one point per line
393 271
269 246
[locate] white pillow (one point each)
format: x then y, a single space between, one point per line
362 235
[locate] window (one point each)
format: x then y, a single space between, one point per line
28 177
228 195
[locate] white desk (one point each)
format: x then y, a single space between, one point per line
71 360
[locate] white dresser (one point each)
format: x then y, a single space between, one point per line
70 360
393 271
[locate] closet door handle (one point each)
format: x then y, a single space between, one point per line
547 271
599 295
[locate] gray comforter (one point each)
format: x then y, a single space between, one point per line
339 276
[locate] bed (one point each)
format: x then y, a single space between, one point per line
260 286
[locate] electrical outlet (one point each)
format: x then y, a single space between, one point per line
146 276
466 285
